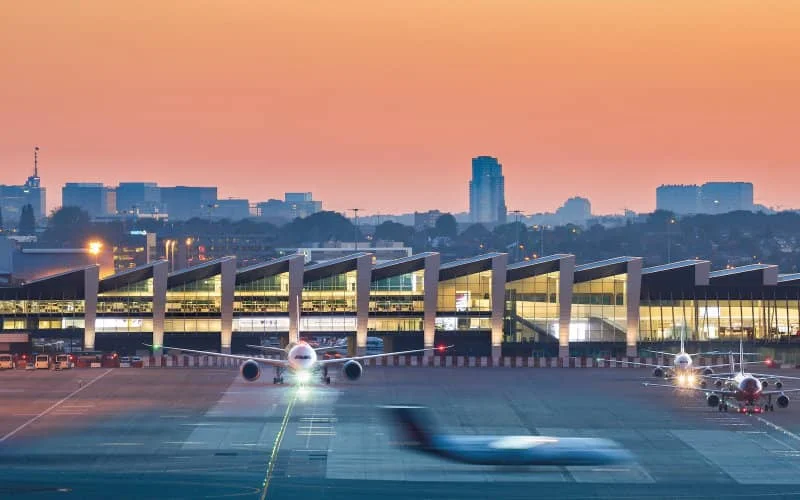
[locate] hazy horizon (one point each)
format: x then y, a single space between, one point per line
355 101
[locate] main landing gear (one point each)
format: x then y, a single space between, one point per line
278 378
325 377
769 406
723 407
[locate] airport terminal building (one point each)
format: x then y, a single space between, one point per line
481 305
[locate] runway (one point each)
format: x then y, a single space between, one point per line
205 433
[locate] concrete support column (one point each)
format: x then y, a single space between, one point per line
566 274
160 272
633 287
228 274
91 287
499 264
295 296
430 283
363 280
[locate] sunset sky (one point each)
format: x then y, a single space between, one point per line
382 104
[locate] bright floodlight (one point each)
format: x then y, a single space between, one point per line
95 247
690 379
303 377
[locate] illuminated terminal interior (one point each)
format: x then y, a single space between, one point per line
481 305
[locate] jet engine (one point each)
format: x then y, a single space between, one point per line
708 371
783 401
718 382
251 370
352 370
764 384
779 385
712 400
658 372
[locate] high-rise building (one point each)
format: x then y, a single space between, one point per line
724 197
13 198
93 197
487 202
679 199
186 202
138 198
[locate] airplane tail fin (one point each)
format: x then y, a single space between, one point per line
415 427
741 352
682 345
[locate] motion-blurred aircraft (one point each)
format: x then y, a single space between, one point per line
418 433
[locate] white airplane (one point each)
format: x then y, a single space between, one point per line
745 388
682 368
302 361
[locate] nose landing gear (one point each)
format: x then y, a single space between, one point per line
278 378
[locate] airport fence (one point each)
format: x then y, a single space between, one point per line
186 361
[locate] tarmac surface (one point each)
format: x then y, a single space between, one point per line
206 433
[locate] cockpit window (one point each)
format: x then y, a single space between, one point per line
302 356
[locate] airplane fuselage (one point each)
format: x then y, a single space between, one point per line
301 357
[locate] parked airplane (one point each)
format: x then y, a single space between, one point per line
417 433
682 368
744 388
301 360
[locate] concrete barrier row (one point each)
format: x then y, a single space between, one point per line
186 361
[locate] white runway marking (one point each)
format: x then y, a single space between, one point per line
53 407
778 428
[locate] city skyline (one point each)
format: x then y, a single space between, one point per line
335 100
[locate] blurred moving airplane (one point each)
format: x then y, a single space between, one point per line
301 360
746 389
418 433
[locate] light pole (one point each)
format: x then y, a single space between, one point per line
517 243
669 239
94 249
355 228
189 242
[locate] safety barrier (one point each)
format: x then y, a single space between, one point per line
438 361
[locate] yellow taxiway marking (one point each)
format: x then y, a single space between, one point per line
277 446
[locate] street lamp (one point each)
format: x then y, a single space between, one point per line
94 249
355 228
169 246
669 239
189 242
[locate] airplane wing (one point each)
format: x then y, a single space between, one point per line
723 365
271 362
324 362
633 363
771 376
276 350
695 389
778 391
662 352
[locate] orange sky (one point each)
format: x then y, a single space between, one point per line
381 104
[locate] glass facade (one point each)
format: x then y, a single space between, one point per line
532 309
41 314
721 316
127 309
194 307
329 304
598 312
269 294
465 303
397 303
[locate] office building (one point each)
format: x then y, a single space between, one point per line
138 198
187 202
425 220
681 199
710 198
292 206
575 210
724 197
92 197
487 203
231 209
